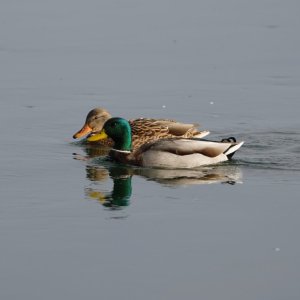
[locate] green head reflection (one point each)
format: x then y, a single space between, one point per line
122 187
121 193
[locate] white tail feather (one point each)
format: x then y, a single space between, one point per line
202 134
233 149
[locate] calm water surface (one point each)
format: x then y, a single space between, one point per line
75 226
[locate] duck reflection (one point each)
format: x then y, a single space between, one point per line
121 176
91 150
224 173
122 189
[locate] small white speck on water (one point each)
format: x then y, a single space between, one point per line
163 106
211 102
277 249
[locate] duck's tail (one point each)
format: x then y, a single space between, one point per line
232 149
201 134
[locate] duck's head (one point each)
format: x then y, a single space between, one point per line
94 122
119 130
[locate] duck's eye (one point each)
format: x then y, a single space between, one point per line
113 125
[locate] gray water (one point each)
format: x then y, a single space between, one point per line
75 226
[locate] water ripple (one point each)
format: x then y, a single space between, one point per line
275 150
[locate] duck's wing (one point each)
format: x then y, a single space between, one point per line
177 129
148 128
165 126
190 146
145 130
184 153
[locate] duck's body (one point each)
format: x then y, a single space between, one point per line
143 130
179 153
166 153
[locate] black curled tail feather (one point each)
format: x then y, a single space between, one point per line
229 140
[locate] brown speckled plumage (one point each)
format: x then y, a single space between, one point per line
145 130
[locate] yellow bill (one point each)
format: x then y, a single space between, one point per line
98 196
98 136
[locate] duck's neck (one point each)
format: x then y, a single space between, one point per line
125 142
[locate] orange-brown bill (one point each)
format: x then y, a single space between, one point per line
86 129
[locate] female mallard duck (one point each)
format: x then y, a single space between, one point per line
143 130
165 153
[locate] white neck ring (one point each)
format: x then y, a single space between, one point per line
121 151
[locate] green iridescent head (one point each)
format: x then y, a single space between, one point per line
119 130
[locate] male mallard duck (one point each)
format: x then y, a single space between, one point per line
143 130
166 153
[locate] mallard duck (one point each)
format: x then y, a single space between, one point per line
143 130
165 153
